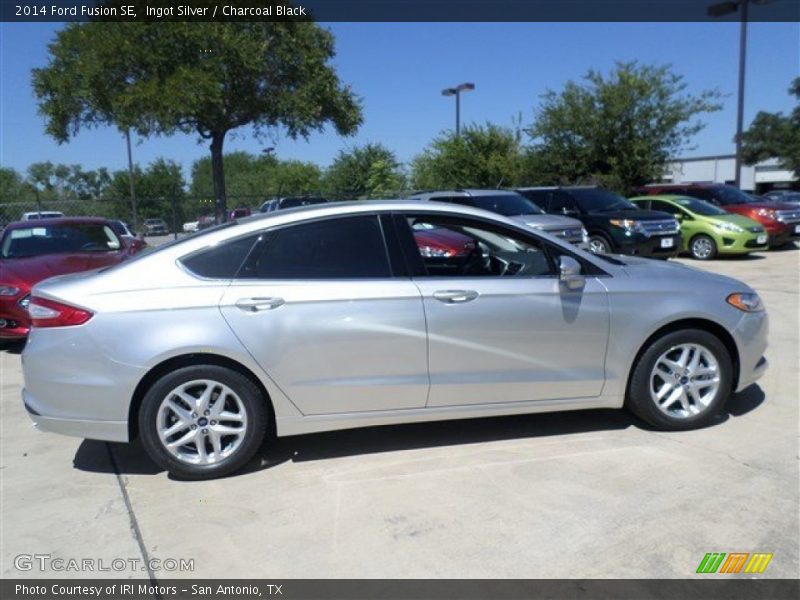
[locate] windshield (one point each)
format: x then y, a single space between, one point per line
508 205
699 207
727 195
596 200
36 240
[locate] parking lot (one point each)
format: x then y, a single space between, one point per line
589 494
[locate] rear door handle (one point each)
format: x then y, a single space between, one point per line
259 304
455 296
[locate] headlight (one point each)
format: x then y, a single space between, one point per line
431 252
766 212
628 225
728 227
746 302
8 290
25 301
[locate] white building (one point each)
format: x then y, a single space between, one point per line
761 177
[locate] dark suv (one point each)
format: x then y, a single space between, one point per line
614 224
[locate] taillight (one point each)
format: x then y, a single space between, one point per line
49 313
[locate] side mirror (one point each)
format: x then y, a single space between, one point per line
570 273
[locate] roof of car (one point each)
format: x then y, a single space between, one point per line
465 192
57 221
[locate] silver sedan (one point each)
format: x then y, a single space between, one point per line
373 313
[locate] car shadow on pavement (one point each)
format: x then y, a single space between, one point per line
12 346
131 458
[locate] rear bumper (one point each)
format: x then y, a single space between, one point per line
111 431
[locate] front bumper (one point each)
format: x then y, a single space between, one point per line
110 431
14 320
782 233
751 340
741 243
652 246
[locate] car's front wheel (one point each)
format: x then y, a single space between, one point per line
681 381
703 247
599 244
202 421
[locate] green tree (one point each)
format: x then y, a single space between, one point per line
367 171
775 135
201 78
254 178
483 156
155 187
14 187
618 130
67 182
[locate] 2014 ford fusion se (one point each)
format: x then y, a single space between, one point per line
331 317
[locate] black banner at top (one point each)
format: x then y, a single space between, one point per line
399 10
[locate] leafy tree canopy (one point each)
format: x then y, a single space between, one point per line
618 129
199 77
368 171
775 135
483 156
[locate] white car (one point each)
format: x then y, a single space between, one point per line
43 214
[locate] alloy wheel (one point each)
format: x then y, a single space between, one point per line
201 422
598 246
702 248
685 380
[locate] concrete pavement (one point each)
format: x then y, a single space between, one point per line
591 494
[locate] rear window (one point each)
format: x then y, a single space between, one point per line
221 261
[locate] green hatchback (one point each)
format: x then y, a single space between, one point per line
706 229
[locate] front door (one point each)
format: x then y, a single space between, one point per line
500 326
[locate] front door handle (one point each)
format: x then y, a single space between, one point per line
259 304
455 296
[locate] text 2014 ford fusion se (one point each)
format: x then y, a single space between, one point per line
330 317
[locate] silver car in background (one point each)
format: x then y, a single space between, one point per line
329 317
514 206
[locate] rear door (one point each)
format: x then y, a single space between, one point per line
318 306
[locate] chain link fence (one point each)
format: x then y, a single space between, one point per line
175 211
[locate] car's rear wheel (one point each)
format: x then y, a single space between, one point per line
703 247
599 244
681 381
202 421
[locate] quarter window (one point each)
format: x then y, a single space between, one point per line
221 261
341 248
457 247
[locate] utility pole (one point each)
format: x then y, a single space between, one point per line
133 185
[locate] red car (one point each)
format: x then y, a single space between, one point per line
781 220
31 251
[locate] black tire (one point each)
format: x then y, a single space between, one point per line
252 400
638 399
598 241
705 240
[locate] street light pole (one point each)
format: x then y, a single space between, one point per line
740 100
133 186
720 10
456 91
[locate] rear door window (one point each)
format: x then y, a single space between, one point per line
337 248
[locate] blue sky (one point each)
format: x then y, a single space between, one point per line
400 69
